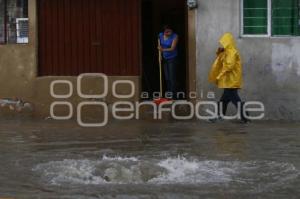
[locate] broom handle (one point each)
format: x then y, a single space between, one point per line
160 70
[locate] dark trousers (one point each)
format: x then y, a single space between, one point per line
170 69
231 95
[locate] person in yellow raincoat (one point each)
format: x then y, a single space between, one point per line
226 73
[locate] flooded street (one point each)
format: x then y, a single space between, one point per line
137 159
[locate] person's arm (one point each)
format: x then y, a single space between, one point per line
159 48
173 47
159 45
228 64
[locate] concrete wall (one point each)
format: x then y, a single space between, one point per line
271 65
18 63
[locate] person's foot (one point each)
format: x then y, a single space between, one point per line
215 120
245 121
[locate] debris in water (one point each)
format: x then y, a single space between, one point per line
15 104
106 178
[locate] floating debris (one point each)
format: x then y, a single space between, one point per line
49 118
16 104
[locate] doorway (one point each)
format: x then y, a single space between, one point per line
156 14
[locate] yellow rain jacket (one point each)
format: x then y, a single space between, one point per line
226 71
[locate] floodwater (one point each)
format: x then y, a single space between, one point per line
149 160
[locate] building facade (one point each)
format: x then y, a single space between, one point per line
267 36
68 37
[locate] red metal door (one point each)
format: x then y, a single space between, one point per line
89 36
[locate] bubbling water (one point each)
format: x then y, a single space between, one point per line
179 170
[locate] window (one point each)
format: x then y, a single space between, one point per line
271 17
285 17
255 17
2 21
14 21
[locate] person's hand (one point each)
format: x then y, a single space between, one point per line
160 48
219 51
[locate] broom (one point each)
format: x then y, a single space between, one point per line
161 99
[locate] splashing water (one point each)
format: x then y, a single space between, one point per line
118 170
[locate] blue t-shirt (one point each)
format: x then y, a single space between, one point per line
168 44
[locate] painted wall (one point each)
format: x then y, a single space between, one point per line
18 63
271 65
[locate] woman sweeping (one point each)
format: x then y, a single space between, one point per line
168 41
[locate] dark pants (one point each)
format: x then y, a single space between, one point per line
231 95
170 69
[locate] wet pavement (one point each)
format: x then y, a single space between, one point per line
139 159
